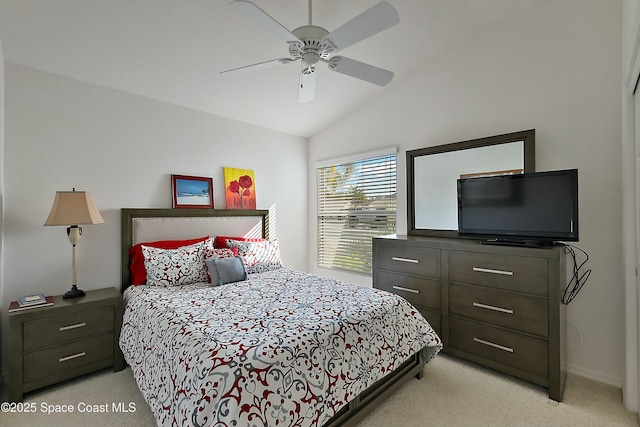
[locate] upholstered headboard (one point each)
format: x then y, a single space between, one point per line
146 225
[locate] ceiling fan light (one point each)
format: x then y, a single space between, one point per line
309 59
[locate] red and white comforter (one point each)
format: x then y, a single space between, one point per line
283 348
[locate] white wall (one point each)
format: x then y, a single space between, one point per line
62 133
555 68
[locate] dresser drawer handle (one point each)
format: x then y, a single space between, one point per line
414 261
488 270
77 325
73 356
400 288
494 308
492 344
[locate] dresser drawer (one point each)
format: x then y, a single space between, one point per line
515 311
408 259
56 329
509 348
417 290
514 273
56 360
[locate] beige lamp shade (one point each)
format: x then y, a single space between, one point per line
73 208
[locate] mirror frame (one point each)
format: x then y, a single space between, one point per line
528 136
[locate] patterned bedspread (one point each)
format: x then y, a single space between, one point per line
283 348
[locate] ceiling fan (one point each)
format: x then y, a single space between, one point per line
310 44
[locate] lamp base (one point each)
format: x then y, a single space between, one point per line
74 292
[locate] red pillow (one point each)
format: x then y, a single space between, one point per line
138 272
221 241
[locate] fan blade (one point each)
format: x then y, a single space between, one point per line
307 89
252 11
360 70
260 65
371 22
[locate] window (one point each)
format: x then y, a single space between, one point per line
356 201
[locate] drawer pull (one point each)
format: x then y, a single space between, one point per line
494 308
73 356
492 344
414 261
77 325
400 288
488 270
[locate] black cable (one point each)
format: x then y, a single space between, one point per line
577 280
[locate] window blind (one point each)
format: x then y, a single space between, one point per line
356 201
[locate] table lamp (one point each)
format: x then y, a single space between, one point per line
73 208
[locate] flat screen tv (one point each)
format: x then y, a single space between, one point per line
531 209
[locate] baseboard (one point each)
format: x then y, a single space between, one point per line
596 376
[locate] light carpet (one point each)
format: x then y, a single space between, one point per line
452 393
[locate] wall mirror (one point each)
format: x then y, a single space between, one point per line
432 173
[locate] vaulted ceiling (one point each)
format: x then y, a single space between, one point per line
174 50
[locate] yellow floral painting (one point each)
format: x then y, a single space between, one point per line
240 188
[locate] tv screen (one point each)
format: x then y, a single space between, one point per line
540 207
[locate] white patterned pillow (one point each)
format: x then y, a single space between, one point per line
258 256
173 267
211 252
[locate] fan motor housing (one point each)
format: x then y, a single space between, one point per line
313 49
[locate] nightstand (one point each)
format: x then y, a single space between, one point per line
59 342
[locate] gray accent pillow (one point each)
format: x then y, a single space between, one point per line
226 270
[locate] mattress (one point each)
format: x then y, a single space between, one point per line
283 348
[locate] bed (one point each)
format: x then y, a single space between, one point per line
280 348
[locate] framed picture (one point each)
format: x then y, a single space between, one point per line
192 191
240 188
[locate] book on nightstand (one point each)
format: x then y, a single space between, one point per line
32 301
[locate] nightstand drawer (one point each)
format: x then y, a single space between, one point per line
508 348
56 329
514 273
515 311
407 259
418 291
52 361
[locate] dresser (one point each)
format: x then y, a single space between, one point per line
498 306
59 342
